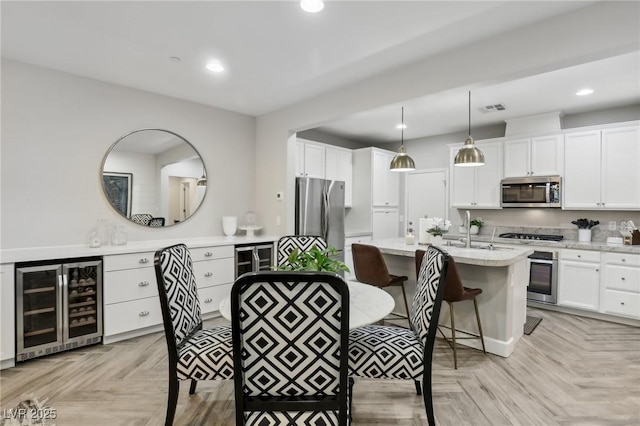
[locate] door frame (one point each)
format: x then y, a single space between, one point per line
444 170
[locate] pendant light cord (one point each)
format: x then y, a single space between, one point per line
469 112
402 129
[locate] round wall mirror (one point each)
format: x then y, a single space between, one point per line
154 177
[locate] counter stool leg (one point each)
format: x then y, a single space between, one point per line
453 336
475 305
406 305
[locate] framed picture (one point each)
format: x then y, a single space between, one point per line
117 187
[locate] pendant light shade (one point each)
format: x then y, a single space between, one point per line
402 162
203 180
469 155
312 6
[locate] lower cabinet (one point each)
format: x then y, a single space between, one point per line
132 305
348 255
579 279
7 317
620 292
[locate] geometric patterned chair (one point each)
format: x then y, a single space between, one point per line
141 218
194 354
291 329
387 352
370 268
301 242
156 222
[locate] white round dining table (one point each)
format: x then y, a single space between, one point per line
367 304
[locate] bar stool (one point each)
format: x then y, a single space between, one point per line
370 268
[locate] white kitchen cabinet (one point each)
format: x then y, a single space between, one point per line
620 285
601 169
385 223
310 159
536 156
477 187
579 279
7 316
348 254
386 184
338 166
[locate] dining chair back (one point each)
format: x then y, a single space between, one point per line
289 243
194 354
141 218
387 352
291 331
156 222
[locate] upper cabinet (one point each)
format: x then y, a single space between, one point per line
537 156
318 160
477 187
601 169
386 184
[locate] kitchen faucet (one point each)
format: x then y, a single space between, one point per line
467 244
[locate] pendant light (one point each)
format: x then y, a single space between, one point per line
203 180
469 155
402 162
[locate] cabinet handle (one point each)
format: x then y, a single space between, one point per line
143 313
208 300
143 283
597 270
624 260
622 303
208 254
143 260
208 274
623 279
579 256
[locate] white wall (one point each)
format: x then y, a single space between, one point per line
56 129
591 33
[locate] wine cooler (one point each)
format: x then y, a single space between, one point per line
58 306
253 258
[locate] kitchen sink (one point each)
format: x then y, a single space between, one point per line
483 246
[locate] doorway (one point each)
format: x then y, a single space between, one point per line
426 195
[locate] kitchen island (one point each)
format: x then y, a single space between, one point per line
501 272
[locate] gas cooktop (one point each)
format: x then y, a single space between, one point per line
541 237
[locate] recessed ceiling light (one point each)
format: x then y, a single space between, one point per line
584 92
312 6
215 66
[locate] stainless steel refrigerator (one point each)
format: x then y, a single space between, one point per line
320 210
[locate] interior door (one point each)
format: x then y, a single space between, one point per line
426 195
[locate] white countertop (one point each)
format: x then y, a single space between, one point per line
502 255
63 252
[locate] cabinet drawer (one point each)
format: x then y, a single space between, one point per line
622 259
133 315
208 253
210 297
213 272
622 303
580 255
129 261
132 284
622 278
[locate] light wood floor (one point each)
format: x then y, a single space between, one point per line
569 371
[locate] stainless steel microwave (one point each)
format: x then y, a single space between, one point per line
541 191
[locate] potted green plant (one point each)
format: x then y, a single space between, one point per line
475 224
314 259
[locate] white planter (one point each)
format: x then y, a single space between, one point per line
436 240
474 229
584 235
229 225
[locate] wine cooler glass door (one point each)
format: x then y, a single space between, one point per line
82 307
38 320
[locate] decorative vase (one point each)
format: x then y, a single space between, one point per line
229 225
436 240
474 229
584 235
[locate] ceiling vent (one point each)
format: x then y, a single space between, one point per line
496 107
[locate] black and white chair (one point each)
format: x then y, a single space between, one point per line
290 331
156 222
194 354
387 352
141 218
289 243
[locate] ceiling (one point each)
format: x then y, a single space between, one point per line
276 55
